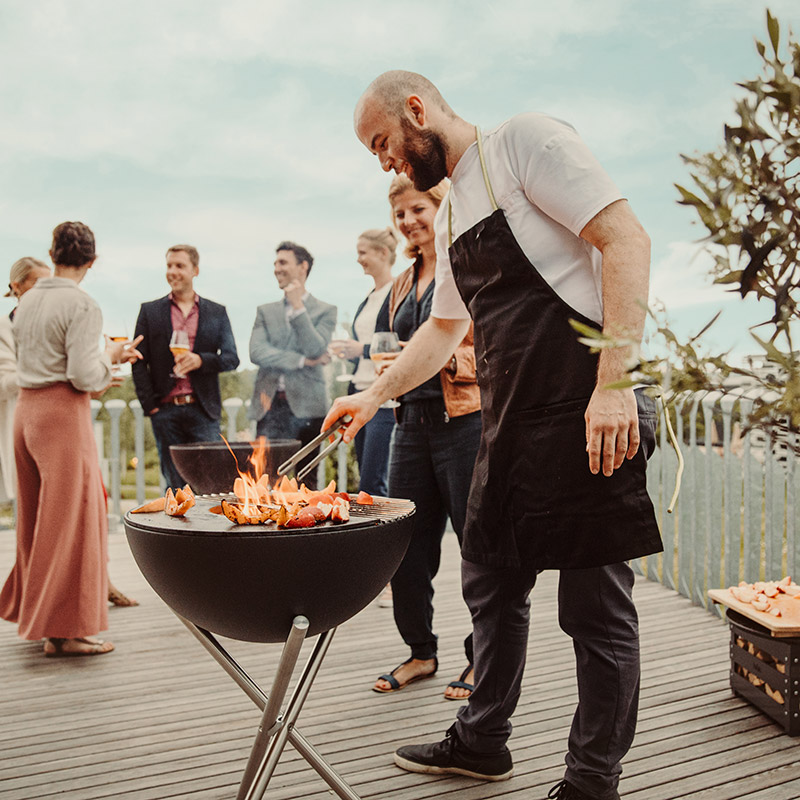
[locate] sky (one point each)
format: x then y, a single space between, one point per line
228 125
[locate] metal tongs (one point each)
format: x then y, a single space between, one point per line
337 428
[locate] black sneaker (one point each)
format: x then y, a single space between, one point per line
450 755
566 791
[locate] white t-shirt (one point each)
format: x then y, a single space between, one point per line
364 326
549 186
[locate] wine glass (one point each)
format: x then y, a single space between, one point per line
122 336
383 343
178 345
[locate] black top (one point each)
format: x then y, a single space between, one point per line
410 314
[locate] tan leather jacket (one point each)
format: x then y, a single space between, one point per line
460 388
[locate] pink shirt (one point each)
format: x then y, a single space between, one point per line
188 324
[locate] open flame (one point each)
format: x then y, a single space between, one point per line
252 488
260 501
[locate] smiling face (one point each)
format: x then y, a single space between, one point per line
413 214
401 145
180 271
288 268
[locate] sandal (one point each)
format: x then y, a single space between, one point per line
97 647
116 597
461 684
396 685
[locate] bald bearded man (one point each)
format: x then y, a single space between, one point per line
534 234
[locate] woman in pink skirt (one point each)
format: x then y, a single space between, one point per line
58 587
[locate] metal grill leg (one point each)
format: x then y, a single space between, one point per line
286 730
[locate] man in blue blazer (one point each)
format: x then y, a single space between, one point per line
181 394
289 345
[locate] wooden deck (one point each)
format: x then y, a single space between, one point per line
159 719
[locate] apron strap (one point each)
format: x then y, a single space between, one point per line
486 181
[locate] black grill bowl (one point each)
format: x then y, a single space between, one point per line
209 467
249 582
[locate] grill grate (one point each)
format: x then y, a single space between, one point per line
200 521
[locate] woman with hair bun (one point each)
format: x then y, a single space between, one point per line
58 587
376 254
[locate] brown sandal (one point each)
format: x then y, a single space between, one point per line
116 597
97 647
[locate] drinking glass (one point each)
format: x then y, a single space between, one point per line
383 343
121 336
178 345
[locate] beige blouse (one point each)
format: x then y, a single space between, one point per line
58 328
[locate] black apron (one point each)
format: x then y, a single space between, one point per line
533 500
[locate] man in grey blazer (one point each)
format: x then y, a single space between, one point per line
289 345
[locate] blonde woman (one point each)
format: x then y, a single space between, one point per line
434 446
24 274
376 253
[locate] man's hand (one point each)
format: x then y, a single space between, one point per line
294 292
187 362
361 406
315 362
612 429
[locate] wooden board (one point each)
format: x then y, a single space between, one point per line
786 625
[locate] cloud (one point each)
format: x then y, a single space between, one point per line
682 278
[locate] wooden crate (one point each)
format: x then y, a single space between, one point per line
765 670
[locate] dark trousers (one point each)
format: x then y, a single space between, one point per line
280 423
431 463
180 425
372 445
595 608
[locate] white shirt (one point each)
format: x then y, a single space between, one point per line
57 328
549 186
364 327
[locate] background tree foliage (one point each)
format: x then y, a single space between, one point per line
747 196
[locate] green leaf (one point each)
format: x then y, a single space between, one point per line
586 330
761 49
772 352
623 384
774 32
689 198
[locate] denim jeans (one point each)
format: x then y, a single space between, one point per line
432 458
180 425
372 444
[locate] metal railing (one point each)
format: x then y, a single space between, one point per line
736 517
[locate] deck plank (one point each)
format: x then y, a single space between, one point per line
159 719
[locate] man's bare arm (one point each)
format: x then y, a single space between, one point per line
429 349
612 423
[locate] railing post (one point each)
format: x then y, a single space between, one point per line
712 538
97 430
684 582
115 408
731 497
232 407
697 594
138 442
751 504
792 535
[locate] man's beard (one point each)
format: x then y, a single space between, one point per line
425 154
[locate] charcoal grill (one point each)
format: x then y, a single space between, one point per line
262 584
209 467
